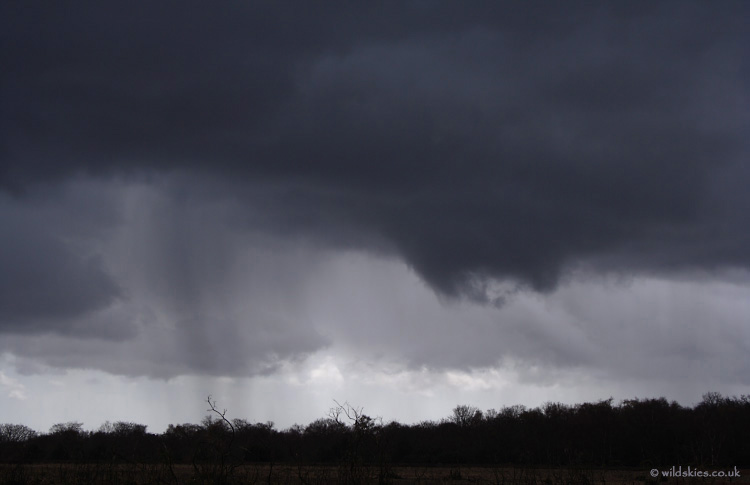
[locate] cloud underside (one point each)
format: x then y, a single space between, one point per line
375 313
180 186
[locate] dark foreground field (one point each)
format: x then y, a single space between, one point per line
137 474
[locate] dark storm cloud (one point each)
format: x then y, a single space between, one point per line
29 285
51 279
476 141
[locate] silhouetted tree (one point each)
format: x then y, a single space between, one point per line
634 433
15 433
465 415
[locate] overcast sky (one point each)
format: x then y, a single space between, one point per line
404 205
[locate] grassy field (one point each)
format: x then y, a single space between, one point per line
137 474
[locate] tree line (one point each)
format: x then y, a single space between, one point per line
632 433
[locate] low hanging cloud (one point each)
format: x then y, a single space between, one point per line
52 279
179 176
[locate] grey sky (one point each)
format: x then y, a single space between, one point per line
246 190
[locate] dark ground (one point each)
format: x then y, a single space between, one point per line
137 474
